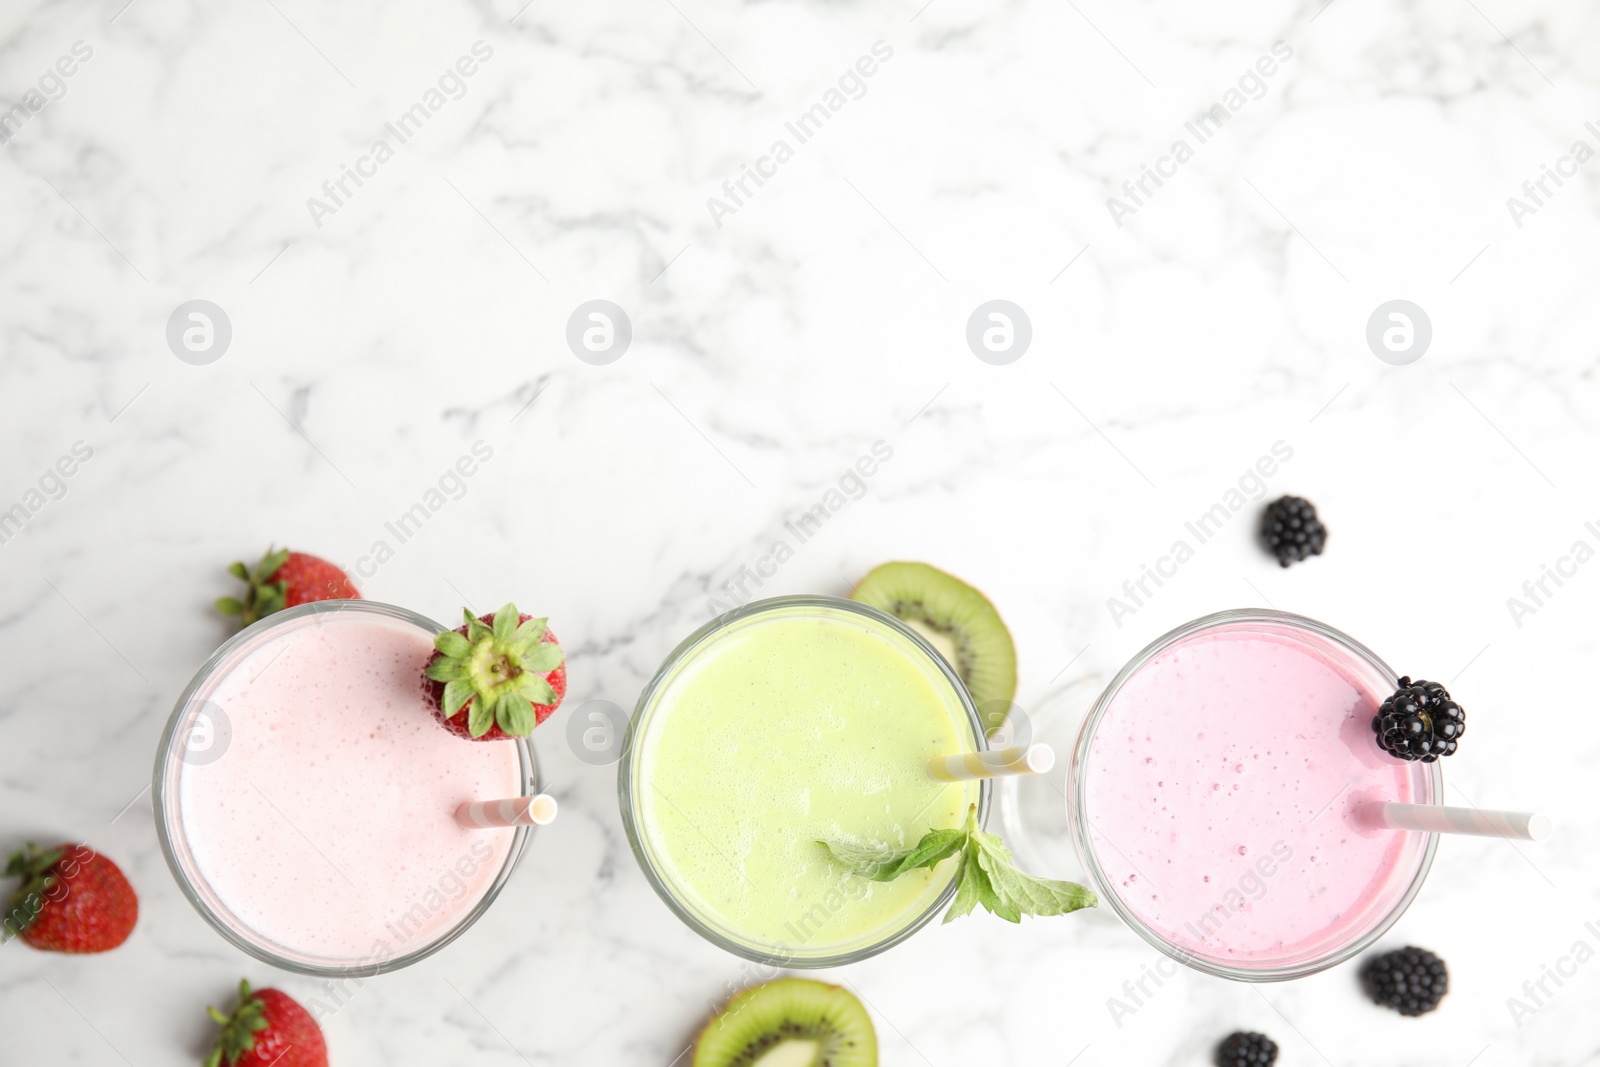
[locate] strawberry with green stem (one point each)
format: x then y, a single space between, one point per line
285 579
497 676
71 899
268 1028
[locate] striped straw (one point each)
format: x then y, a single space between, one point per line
1434 818
522 811
996 763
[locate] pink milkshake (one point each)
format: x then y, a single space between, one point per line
1221 786
313 820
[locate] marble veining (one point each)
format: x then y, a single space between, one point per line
771 345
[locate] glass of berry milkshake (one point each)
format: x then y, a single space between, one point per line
306 794
1218 797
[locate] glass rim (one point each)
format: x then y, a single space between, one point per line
627 771
1432 777
169 823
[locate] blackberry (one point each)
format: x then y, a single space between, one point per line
1412 981
1419 722
1240 1049
1291 530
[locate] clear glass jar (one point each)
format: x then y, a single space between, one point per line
178 751
631 784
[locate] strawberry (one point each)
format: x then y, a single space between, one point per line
71 900
284 579
269 1028
506 671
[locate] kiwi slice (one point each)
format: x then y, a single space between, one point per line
957 620
792 1022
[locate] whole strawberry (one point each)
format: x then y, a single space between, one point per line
284 579
72 899
268 1028
496 677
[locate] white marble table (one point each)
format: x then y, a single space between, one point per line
775 336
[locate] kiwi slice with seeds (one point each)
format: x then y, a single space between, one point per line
791 1022
957 620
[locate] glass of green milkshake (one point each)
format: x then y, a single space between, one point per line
772 728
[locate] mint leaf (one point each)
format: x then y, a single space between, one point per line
877 862
993 846
935 847
989 894
882 864
1023 894
967 890
987 875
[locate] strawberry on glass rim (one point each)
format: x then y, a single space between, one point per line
285 579
496 677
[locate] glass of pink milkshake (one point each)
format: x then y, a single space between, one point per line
1218 794
306 794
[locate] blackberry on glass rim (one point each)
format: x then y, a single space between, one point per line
1419 721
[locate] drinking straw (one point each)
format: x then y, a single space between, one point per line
1434 818
996 763
521 811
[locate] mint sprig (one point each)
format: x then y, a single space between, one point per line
988 875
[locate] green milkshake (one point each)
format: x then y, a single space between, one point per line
798 720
